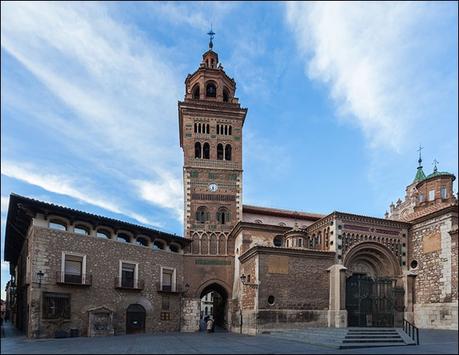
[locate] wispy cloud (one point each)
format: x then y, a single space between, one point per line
5 202
373 58
120 90
67 186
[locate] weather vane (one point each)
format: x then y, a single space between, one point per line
211 35
419 150
435 162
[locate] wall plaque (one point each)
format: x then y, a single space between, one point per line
277 264
431 242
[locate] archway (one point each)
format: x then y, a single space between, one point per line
135 319
215 297
372 296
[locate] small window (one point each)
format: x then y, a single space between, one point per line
414 264
56 305
271 300
57 225
211 90
431 195
103 234
220 152
174 248
443 193
229 130
81 230
259 221
197 150
142 242
196 92
168 280
123 238
128 275
300 242
225 95
277 241
73 269
202 214
206 151
228 152
421 198
223 215
158 245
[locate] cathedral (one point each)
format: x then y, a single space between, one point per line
253 269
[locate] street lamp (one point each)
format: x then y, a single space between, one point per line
40 275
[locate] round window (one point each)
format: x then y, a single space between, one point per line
414 264
271 300
277 241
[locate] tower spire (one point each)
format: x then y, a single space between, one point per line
420 173
211 35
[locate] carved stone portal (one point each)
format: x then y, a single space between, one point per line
100 322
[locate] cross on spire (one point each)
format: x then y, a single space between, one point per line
211 35
419 150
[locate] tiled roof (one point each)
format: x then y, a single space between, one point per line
281 212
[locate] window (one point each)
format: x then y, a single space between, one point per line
431 195
271 300
81 230
167 279
157 244
128 275
202 214
174 248
141 241
443 193
208 129
300 242
123 238
277 241
102 233
259 221
74 266
228 152
223 215
220 152
53 224
206 151
229 130
421 198
197 150
211 90
56 305
225 95
196 92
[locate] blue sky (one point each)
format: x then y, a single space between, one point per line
340 95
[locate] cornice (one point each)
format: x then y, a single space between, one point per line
259 249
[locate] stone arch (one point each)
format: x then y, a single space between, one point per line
213 244
195 246
222 244
204 244
375 257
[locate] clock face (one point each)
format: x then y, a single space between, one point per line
213 187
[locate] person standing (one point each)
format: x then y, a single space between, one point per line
210 325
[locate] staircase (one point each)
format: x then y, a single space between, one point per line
346 338
374 337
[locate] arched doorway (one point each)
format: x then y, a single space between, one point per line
135 319
373 298
214 297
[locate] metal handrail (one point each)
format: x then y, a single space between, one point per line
411 330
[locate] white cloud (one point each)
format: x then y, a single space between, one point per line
67 186
5 203
372 56
121 89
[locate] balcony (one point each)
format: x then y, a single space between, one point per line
63 278
129 284
169 288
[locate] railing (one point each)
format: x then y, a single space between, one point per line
73 279
411 330
129 284
169 288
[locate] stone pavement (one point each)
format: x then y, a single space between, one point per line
432 342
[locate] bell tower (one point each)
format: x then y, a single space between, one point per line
210 123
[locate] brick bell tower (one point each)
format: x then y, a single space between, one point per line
211 121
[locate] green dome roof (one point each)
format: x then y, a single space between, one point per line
440 173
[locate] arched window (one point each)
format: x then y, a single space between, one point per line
223 215
141 241
58 225
225 95
206 151
226 130
208 129
197 150
211 90
102 233
218 129
199 128
229 130
123 238
79 229
228 152
196 92
202 214
220 152
195 127
157 244
174 248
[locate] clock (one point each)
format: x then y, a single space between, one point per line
213 187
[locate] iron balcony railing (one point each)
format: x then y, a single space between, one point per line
411 330
169 288
73 279
129 284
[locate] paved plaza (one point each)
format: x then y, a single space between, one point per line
432 342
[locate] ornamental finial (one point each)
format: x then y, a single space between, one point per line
211 35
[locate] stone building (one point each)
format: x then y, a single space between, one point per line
267 268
